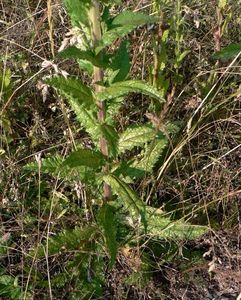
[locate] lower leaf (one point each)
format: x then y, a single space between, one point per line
106 218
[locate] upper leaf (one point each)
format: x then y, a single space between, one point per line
123 24
84 157
129 86
81 100
76 53
72 87
121 62
110 36
108 2
135 136
78 11
133 19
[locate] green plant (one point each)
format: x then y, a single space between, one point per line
97 107
168 46
108 169
9 287
6 86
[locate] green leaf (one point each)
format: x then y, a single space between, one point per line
228 52
5 78
110 36
49 165
181 56
128 171
76 53
107 220
222 3
112 108
9 288
87 117
135 136
6 83
84 157
134 19
161 226
86 66
124 23
54 166
111 137
121 62
78 11
130 199
81 101
72 88
110 2
69 240
152 154
129 86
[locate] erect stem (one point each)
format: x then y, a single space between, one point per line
94 17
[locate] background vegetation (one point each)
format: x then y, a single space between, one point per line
171 229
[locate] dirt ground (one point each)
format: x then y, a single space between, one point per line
217 277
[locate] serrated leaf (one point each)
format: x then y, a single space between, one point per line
87 117
107 220
152 154
81 101
69 240
130 199
175 230
135 136
228 52
49 165
72 88
111 137
161 226
76 53
129 86
53 166
173 128
84 157
113 106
